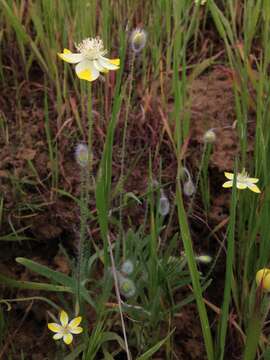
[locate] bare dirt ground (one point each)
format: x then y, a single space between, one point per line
52 220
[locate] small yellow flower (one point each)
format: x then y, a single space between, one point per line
65 329
242 181
263 279
89 59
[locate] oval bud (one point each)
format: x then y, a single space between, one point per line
209 137
82 155
127 267
189 188
126 286
205 259
164 206
138 40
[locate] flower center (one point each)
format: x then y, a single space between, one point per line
91 48
65 330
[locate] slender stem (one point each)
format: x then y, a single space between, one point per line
123 154
117 292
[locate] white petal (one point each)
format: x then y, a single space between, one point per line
58 336
106 63
241 185
70 57
98 66
85 70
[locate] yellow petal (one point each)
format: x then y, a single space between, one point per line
229 175
253 180
263 279
85 75
254 188
66 51
227 184
76 330
54 327
68 339
241 186
63 318
115 61
75 322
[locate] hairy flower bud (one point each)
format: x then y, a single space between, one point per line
164 205
127 267
189 188
138 40
204 259
82 155
209 137
126 286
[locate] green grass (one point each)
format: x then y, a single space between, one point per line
182 44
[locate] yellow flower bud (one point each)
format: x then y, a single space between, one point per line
263 279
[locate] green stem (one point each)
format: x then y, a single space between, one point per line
187 242
123 154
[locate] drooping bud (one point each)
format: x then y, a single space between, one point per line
189 188
164 205
82 155
138 40
209 137
127 267
204 259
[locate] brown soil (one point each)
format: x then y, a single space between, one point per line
54 220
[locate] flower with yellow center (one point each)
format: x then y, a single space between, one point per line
65 329
242 181
263 279
90 59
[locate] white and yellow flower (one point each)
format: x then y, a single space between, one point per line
66 329
243 181
90 59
